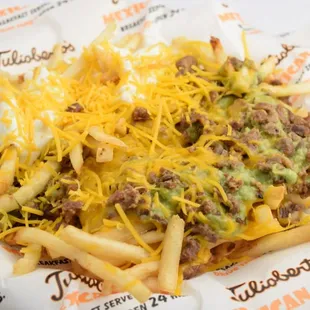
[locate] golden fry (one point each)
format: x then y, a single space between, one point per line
101 247
102 269
7 169
171 253
145 270
76 158
29 262
274 242
29 191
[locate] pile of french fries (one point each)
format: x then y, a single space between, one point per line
101 253
109 256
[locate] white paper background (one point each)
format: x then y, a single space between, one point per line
78 23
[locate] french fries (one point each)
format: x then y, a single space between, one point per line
170 256
98 134
152 284
150 237
101 247
274 242
76 158
29 191
30 260
287 90
218 50
56 57
7 169
266 68
124 234
143 271
102 269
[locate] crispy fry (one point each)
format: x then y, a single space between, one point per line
29 262
170 257
74 69
274 242
266 68
287 90
150 237
101 247
76 158
56 57
152 284
29 191
124 234
98 134
103 270
7 169
106 34
143 271
218 50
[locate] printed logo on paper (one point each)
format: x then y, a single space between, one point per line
2 297
248 290
9 58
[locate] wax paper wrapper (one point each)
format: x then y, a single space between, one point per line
27 35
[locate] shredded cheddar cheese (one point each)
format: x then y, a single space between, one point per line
170 129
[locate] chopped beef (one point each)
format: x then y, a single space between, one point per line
208 207
152 178
140 114
237 125
283 114
302 188
233 204
75 108
192 133
231 164
47 214
72 186
237 63
128 197
266 166
240 220
198 117
213 95
71 210
250 137
218 148
271 129
272 115
296 120
286 146
204 230
275 82
168 179
287 100
294 136
232 183
191 272
185 64
301 130
190 250
65 163
260 116
160 220
288 208
182 125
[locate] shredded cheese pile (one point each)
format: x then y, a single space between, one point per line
109 82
